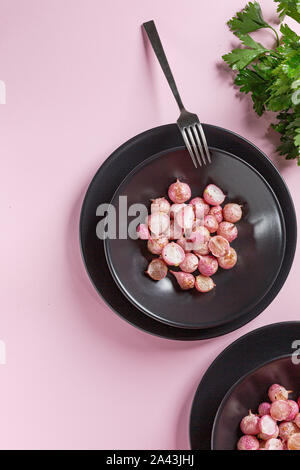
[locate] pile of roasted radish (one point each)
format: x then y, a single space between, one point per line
194 236
276 426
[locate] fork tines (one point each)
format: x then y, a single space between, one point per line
196 144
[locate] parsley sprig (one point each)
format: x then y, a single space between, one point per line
271 76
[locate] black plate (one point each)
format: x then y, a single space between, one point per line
109 177
244 355
247 394
260 245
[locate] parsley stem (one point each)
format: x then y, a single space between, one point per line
276 34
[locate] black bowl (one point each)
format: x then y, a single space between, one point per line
260 245
247 394
101 190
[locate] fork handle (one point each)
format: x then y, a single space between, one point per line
161 56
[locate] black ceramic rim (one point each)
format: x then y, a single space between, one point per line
234 386
237 361
164 138
155 316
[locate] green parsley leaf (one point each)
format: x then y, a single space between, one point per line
289 37
290 8
240 58
248 20
250 81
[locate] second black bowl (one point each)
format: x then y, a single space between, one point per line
247 394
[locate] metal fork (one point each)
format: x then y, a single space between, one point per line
188 123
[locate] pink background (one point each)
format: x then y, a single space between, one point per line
77 376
